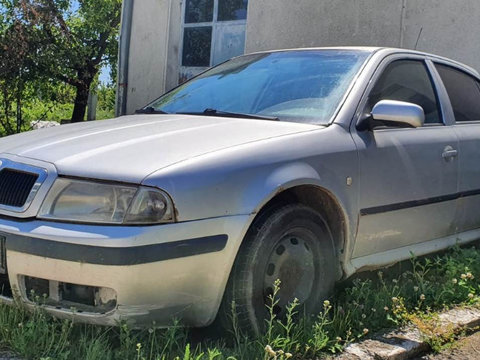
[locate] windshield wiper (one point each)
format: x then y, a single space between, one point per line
215 112
149 110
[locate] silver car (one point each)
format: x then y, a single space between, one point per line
304 165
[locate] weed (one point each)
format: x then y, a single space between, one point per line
362 306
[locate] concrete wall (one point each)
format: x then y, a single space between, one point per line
148 52
305 23
174 44
448 27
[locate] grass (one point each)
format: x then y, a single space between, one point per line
367 304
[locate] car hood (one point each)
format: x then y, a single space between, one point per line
131 147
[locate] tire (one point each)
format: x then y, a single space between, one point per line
292 243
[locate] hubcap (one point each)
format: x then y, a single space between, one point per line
292 262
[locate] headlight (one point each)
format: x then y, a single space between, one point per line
95 202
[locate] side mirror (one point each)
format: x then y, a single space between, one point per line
398 113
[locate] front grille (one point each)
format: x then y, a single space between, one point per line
15 186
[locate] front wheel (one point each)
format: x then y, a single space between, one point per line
293 244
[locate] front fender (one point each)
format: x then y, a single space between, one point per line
223 191
242 179
280 179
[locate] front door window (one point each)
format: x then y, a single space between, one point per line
409 81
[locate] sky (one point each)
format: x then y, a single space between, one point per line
104 77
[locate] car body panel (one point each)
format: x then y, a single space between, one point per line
469 176
468 133
220 173
189 287
402 167
110 149
256 172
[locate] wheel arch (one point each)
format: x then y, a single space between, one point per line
313 195
306 193
296 183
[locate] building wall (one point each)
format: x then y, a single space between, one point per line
174 41
305 23
446 27
148 52
450 28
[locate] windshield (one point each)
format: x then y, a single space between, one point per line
302 86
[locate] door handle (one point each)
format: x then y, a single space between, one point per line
449 153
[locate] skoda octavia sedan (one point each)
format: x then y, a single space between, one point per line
303 165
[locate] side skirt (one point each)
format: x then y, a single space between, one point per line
390 257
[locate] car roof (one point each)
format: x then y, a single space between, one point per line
384 50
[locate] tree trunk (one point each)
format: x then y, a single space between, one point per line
81 100
19 113
19 107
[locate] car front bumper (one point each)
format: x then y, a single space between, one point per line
141 275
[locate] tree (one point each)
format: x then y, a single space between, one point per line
77 39
18 46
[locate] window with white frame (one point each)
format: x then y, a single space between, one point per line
213 31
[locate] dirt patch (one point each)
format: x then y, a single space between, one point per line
467 348
5 355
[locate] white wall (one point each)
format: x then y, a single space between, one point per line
449 27
148 52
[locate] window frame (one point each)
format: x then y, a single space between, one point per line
213 24
463 70
438 88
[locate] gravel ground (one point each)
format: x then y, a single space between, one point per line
467 348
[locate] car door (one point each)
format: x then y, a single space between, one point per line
463 89
407 176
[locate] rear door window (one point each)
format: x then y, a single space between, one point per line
464 92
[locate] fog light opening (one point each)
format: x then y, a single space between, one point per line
61 295
78 294
5 288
